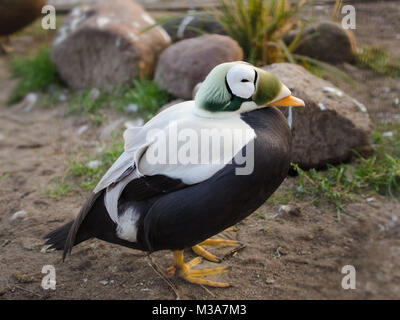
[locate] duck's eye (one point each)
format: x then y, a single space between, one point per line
244 80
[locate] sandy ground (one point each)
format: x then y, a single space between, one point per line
299 257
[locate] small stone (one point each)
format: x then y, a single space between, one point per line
387 134
82 129
19 215
94 164
132 107
62 97
371 199
104 282
269 281
289 209
396 101
321 106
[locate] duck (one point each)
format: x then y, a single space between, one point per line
192 171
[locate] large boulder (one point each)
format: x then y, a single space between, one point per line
332 123
186 63
326 41
192 25
103 45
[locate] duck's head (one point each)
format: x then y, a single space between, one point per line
240 87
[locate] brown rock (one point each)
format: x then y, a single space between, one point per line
186 63
17 14
326 41
331 124
104 45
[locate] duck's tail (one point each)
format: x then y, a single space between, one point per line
57 238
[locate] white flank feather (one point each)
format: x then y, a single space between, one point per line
143 142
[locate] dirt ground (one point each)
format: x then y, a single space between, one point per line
299 257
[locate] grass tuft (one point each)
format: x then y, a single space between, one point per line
81 174
378 60
379 174
258 25
34 73
145 94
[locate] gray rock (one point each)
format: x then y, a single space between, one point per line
326 41
186 63
103 45
331 124
192 25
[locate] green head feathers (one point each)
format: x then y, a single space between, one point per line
239 86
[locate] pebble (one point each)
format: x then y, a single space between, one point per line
396 101
132 107
94 94
103 282
321 106
371 199
387 134
82 129
30 101
269 281
289 209
94 164
18 215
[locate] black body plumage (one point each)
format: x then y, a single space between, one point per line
175 216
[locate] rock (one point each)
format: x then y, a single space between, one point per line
103 45
326 41
192 25
19 215
94 164
27 103
290 210
186 63
331 124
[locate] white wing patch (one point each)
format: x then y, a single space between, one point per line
143 143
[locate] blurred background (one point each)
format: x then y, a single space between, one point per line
72 79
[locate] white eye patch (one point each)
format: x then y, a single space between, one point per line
240 80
